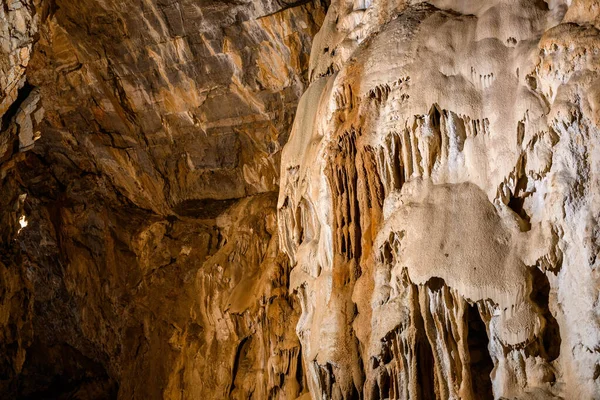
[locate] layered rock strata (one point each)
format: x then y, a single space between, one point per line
139 162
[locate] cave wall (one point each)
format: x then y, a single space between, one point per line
330 200
140 146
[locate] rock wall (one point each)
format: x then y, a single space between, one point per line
439 201
139 161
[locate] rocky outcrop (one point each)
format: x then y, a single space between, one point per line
438 201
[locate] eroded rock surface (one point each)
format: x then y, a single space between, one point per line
439 201
139 168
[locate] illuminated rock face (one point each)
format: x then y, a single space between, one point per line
140 142
439 201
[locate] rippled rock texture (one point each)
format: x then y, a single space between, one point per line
268 199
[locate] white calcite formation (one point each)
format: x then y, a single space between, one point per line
440 198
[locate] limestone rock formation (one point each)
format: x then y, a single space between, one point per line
270 199
439 201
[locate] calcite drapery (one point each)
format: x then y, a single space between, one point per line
438 201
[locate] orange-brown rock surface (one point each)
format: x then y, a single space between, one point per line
140 146
270 199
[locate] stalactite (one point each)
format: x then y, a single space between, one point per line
445 168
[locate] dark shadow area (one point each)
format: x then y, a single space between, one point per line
300 372
517 198
62 372
481 361
14 107
203 208
425 369
540 295
435 284
10 113
241 361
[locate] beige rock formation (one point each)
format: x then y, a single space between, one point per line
438 201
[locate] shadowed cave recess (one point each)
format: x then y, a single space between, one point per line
314 199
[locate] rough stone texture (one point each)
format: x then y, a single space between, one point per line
436 232
139 165
439 201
